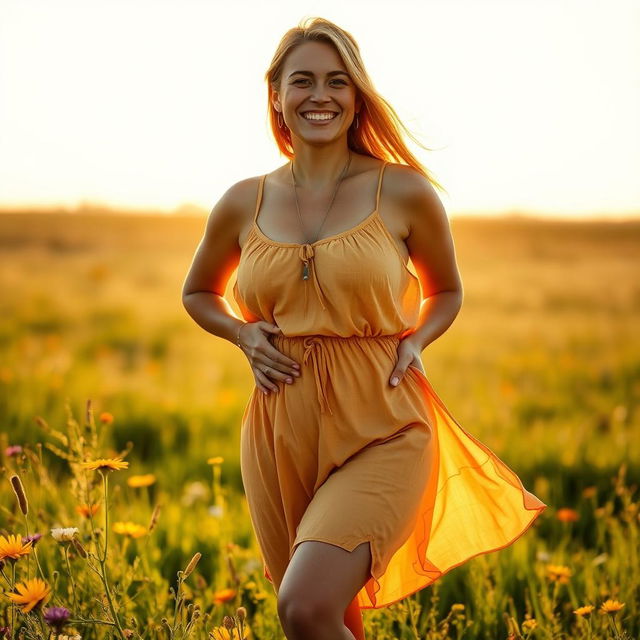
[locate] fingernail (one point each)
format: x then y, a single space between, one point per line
296 365
289 380
395 380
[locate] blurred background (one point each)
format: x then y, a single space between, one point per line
122 124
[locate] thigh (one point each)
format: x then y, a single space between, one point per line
324 577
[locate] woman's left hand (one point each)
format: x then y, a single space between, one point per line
408 354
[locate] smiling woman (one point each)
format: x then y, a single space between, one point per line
362 488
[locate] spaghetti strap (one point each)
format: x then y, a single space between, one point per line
259 198
384 164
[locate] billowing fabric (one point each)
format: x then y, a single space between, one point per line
343 457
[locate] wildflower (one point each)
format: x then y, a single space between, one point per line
56 617
457 607
30 594
224 595
105 464
584 611
34 537
589 492
567 515
130 529
220 633
141 481
12 450
215 460
241 612
558 573
216 511
13 547
611 606
87 510
529 624
106 417
64 534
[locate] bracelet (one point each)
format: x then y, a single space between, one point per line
238 336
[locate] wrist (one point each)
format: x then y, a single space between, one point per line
238 333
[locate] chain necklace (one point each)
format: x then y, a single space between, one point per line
305 268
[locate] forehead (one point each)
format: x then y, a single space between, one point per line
318 57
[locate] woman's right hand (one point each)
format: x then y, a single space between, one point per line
265 360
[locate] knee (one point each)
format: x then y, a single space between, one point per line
303 615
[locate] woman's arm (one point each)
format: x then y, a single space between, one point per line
214 261
432 252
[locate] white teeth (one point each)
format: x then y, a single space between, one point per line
319 116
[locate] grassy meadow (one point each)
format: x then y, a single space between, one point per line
99 360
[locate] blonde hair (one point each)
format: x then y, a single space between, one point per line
378 133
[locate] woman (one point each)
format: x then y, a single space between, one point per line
362 488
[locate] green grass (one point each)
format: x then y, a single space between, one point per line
542 364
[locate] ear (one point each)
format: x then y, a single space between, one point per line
275 99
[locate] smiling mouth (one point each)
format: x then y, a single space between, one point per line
323 117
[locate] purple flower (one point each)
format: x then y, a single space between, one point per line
34 537
56 617
12 450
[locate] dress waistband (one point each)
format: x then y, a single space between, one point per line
314 352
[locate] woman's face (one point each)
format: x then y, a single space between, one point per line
314 79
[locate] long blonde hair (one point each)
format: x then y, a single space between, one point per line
378 132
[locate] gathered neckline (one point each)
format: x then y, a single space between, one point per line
372 216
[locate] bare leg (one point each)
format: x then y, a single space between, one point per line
319 585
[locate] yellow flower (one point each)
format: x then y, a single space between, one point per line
220 633
457 607
30 593
558 573
141 481
590 492
108 464
11 547
611 606
130 529
215 460
106 417
86 510
529 624
584 611
224 595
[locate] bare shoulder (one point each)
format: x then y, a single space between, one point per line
413 196
234 210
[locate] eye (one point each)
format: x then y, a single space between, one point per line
305 80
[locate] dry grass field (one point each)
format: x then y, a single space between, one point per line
542 364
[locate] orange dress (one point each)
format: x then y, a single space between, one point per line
343 457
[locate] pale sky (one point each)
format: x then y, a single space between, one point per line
528 105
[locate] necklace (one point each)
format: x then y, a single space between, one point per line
305 268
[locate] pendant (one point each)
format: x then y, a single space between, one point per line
305 271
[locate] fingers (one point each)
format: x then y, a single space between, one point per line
265 374
400 370
278 361
263 382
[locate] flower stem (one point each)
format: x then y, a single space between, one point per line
73 584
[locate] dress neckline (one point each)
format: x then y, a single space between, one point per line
372 216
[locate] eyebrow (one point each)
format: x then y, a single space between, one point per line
310 73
